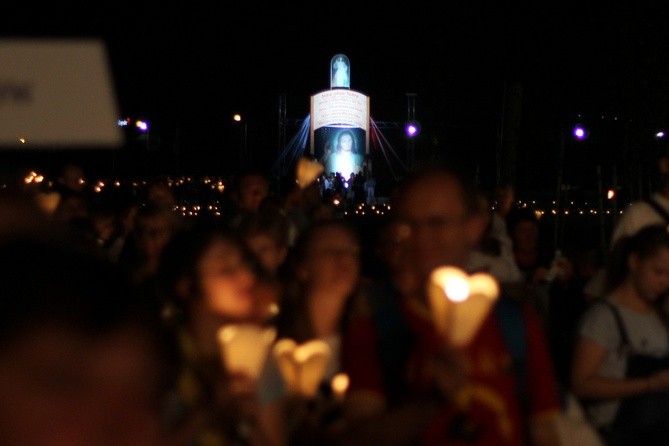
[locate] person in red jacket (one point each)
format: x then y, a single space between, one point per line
406 385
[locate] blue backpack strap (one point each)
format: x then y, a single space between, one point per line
394 335
511 320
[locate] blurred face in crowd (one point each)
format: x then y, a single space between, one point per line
268 251
650 275
227 280
253 190
71 207
505 196
154 232
332 261
435 225
60 387
525 236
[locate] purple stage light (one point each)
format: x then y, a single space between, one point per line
579 132
142 125
411 129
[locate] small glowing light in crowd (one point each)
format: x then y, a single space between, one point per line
566 212
30 177
554 212
610 194
538 214
659 135
22 140
97 189
81 181
336 202
117 183
237 117
339 385
579 132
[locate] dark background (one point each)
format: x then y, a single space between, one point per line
496 83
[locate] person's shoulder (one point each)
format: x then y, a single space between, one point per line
599 311
643 205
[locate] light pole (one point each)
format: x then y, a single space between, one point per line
242 139
411 130
580 133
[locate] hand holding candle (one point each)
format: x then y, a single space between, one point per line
307 171
302 366
244 347
459 302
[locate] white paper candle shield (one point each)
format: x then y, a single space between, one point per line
307 171
244 347
460 303
302 366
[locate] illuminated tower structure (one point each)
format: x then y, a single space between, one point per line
340 123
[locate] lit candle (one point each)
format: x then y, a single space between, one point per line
459 303
307 171
302 366
244 347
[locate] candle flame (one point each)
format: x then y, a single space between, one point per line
457 289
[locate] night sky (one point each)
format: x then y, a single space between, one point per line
187 68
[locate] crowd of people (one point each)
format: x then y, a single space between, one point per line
112 314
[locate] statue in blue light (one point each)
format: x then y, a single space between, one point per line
340 72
